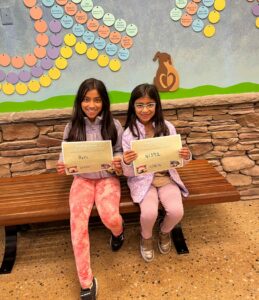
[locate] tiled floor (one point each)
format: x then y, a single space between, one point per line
223 262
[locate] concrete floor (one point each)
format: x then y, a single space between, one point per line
223 262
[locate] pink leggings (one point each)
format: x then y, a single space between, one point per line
170 198
84 193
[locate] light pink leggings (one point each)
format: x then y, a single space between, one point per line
170 198
84 193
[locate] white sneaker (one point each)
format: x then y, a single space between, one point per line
146 249
164 242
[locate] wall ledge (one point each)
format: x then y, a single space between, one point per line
64 113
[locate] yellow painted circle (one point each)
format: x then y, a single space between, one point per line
214 16
257 22
103 60
209 31
8 88
80 48
70 39
0 86
54 73
92 53
45 80
34 86
61 63
115 65
21 88
219 4
66 52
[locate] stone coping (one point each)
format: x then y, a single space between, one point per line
64 113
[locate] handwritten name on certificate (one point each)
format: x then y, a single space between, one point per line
157 154
87 157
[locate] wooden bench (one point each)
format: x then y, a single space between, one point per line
44 198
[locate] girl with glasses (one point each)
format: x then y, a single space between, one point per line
145 120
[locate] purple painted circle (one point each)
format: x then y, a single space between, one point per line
36 71
55 26
46 63
25 76
53 52
56 40
2 75
12 78
255 10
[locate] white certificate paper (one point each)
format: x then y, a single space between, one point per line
157 154
87 157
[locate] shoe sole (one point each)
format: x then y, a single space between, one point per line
143 256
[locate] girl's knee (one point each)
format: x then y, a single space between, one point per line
176 213
112 222
149 215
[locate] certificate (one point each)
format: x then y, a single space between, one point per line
86 157
157 154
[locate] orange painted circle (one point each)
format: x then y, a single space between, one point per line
17 62
126 42
40 26
29 3
42 39
81 17
115 37
104 31
5 60
92 25
61 2
191 8
36 13
40 52
70 8
186 20
30 60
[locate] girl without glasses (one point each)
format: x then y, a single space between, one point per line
145 120
92 121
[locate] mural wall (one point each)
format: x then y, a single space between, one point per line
187 48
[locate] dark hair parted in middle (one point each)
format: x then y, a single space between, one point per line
150 91
108 128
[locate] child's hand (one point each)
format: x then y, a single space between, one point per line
129 156
185 153
116 164
61 167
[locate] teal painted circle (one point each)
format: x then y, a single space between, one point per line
99 43
108 19
180 3
78 30
87 5
203 12
208 3
123 54
120 25
197 25
111 49
67 22
132 30
57 11
88 37
176 14
97 12
48 3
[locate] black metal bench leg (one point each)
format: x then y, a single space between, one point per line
10 249
179 240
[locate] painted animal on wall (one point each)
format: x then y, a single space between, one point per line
167 77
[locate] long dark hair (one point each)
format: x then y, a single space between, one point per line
108 128
150 91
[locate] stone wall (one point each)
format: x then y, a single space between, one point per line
222 129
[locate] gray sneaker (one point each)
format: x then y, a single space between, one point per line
164 242
146 249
